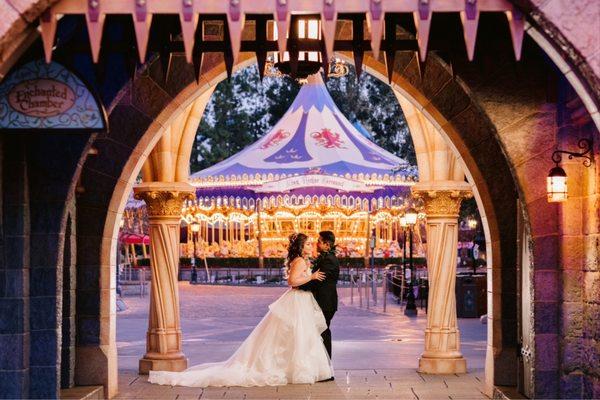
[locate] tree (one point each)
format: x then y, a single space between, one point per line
373 104
280 94
233 119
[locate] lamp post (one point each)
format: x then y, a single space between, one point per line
403 225
195 226
478 249
121 225
411 307
472 223
373 279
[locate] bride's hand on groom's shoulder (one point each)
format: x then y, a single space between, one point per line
318 275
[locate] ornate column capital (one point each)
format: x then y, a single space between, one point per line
442 199
164 199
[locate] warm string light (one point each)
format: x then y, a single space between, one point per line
236 180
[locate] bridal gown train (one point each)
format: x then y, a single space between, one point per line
285 347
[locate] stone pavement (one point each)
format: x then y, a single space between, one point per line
374 353
349 384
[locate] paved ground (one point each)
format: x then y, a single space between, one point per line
374 353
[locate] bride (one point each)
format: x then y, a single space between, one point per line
286 345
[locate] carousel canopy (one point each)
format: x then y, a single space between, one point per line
313 171
312 138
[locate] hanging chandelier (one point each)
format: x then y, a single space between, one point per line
304 57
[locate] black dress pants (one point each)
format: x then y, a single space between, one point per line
326 335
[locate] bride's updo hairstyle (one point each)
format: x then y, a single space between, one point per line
297 241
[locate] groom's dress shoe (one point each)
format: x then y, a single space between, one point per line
328 380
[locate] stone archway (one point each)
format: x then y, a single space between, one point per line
484 150
155 130
491 145
440 171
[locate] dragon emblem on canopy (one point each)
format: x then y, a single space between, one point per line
275 139
328 139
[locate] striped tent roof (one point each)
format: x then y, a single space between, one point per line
312 137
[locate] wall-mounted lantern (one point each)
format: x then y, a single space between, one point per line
557 177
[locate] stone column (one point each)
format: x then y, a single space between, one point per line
163 340
442 338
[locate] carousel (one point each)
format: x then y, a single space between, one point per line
133 232
313 171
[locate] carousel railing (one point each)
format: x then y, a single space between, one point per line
273 276
278 262
391 280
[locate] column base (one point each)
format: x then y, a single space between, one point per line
443 365
173 365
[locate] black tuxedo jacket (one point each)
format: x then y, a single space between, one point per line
325 291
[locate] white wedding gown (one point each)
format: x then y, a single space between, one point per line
285 347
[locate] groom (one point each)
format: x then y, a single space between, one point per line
325 291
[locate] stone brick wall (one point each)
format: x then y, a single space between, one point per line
52 183
14 272
536 111
579 299
69 284
36 191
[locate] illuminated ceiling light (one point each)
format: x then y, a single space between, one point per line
306 49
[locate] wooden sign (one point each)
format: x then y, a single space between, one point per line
48 97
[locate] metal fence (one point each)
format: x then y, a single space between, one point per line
364 283
263 276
